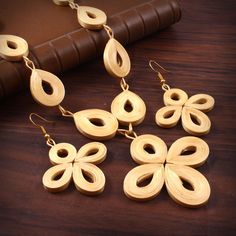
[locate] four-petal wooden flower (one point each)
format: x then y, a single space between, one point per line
194 121
68 165
172 168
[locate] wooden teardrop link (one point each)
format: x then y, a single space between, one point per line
13 48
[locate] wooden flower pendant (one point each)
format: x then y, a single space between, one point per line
194 121
171 168
69 165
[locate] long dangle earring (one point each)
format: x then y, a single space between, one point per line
178 106
14 48
72 166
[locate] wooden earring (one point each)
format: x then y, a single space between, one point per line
70 165
96 124
171 168
179 106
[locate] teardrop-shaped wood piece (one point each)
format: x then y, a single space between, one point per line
168 116
139 174
202 102
62 153
137 113
195 122
189 198
97 184
140 146
13 48
116 59
52 184
62 2
91 18
38 93
93 152
189 151
175 97
96 124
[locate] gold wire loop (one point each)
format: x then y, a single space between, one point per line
124 85
29 63
65 112
155 67
73 5
49 141
109 31
128 133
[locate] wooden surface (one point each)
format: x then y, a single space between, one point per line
201 53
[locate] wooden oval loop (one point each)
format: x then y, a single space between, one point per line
94 173
13 48
139 174
168 116
202 102
140 146
94 152
91 18
135 115
57 185
195 122
62 2
178 152
174 174
38 93
96 124
175 97
116 59
62 153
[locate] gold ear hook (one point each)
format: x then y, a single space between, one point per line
50 142
155 66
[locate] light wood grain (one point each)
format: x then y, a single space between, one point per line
116 59
91 18
58 91
13 48
86 120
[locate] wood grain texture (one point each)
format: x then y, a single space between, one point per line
201 53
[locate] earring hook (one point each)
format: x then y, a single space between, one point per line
50 142
154 66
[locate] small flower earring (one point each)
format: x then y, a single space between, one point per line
178 105
72 165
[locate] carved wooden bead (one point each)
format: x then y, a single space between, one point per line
116 59
203 124
175 97
52 184
138 108
168 116
97 177
96 124
91 18
202 102
62 2
13 48
139 174
198 148
141 143
62 153
190 198
38 93
93 152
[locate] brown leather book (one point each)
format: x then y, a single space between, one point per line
58 43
